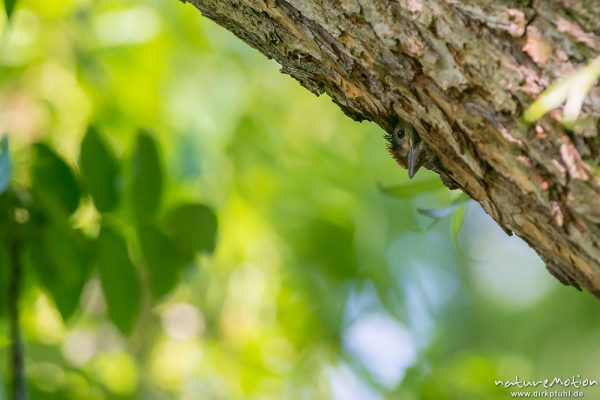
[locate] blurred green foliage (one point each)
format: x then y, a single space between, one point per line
63 257
195 225
100 170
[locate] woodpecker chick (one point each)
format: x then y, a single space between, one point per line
406 147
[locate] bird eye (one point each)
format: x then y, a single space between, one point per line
399 133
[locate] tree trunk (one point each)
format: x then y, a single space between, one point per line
462 73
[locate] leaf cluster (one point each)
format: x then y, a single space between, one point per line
39 221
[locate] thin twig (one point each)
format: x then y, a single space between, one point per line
19 385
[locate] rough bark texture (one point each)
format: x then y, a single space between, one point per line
462 72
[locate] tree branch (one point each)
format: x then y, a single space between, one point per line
461 72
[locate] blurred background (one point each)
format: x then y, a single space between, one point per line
333 277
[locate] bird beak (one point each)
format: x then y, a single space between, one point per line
413 159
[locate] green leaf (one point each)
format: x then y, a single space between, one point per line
53 182
100 170
147 179
457 221
462 198
120 280
161 259
413 188
437 213
9 7
5 165
193 227
61 258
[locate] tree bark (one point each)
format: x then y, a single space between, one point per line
462 73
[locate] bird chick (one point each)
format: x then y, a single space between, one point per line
406 147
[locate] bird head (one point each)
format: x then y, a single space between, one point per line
406 147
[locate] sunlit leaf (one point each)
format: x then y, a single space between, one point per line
9 7
119 277
161 259
571 90
413 188
552 98
5 165
100 170
147 179
61 259
580 86
53 182
193 227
